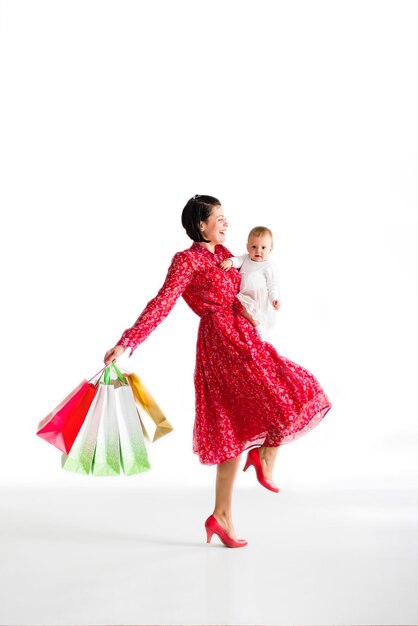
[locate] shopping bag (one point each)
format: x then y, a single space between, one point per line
80 457
62 425
145 401
122 380
133 453
140 412
106 460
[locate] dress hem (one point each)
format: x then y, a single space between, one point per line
260 439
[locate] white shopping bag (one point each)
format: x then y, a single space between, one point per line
106 460
80 457
133 452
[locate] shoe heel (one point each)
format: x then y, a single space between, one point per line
213 527
254 459
248 462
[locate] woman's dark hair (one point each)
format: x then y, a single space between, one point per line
198 209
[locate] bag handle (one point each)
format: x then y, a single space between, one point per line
99 372
119 373
106 378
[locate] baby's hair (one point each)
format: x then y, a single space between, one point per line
260 231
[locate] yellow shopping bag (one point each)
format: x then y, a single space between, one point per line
145 401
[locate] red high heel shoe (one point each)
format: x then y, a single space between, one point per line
253 458
213 527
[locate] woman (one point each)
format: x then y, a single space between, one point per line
247 396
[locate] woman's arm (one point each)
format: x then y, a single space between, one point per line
179 275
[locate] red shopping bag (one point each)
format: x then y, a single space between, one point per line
62 425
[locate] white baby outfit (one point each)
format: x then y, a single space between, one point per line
259 287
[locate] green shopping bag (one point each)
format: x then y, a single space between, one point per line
133 452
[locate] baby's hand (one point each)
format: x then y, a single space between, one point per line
226 264
276 304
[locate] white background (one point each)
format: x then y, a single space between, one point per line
297 115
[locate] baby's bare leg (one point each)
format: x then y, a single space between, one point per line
249 318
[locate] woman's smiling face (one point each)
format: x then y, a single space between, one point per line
215 227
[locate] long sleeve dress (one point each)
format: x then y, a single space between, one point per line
246 394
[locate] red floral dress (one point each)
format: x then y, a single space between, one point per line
246 394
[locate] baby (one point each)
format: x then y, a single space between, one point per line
259 292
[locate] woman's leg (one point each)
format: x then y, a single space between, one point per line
268 457
225 478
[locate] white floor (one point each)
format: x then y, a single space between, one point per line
134 556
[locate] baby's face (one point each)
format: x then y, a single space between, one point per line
259 248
